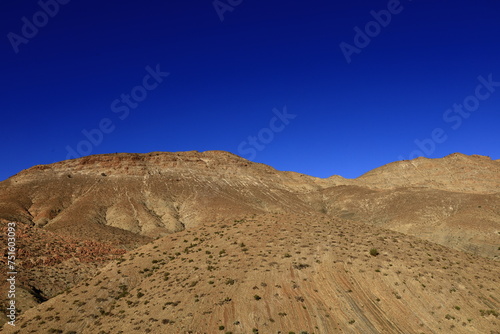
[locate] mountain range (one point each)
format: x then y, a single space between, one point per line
208 242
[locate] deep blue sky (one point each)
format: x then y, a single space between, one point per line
226 77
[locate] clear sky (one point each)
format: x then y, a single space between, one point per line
319 87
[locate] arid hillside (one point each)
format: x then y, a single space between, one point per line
128 199
456 172
48 264
464 221
77 216
281 273
119 197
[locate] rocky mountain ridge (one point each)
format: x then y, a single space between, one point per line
130 198
115 203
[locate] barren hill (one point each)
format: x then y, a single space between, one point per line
48 264
117 202
464 221
119 197
128 199
456 172
281 273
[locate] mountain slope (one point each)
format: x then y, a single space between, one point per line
129 199
107 197
456 172
277 274
48 264
125 201
464 221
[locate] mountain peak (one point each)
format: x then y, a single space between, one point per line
454 172
252 222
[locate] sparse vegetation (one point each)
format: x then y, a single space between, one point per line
300 266
486 313
213 270
123 291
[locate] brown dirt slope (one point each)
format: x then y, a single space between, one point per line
132 198
281 273
47 264
456 172
120 197
464 221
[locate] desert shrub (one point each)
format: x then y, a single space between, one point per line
489 312
300 266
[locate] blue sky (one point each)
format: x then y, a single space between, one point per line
316 87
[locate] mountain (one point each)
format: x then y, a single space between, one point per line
281 273
456 172
130 199
107 205
453 201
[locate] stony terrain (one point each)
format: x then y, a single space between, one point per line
281 273
131 198
464 221
455 172
121 197
155 205
49 263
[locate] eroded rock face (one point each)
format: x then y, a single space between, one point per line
77 215
111 196
129 199
48 263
